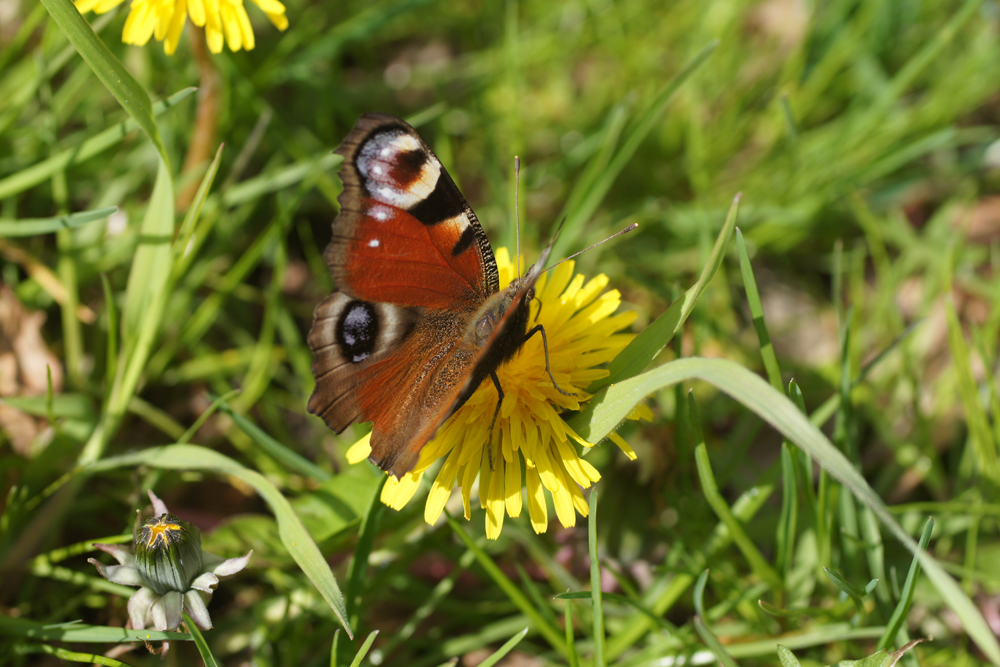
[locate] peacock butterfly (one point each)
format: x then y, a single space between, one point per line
417 320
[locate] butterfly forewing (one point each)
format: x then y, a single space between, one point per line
405 234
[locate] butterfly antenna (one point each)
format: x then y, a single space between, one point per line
517 211
575 254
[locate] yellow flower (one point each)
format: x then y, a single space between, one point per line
582 332
223 20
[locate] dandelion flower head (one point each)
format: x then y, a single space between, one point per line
225 21
583 332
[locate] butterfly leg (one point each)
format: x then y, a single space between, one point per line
496 413
538 328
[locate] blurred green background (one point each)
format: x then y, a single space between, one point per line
864 136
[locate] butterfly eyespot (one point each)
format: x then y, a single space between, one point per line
357 330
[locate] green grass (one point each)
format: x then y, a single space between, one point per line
823 468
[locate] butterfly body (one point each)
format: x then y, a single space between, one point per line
418 319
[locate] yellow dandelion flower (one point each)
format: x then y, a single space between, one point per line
225 21
582 330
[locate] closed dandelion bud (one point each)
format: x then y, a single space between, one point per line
168 554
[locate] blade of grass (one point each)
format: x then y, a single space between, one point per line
199 640
706 634
849 589
75 656
784 538
898 617
718 504
744 509
510 590
108 69
757 312
982 438
610 406
36 226
363 651
79 632
596 193
358 569
290 460
35 174
595 582
504 650
293 534
150 267
570 635
624 599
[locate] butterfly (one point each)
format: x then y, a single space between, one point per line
418 320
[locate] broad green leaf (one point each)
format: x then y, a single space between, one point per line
36 226
294 536
108 69
611 406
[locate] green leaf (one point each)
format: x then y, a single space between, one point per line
35 226
112 73
611 405
293 534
